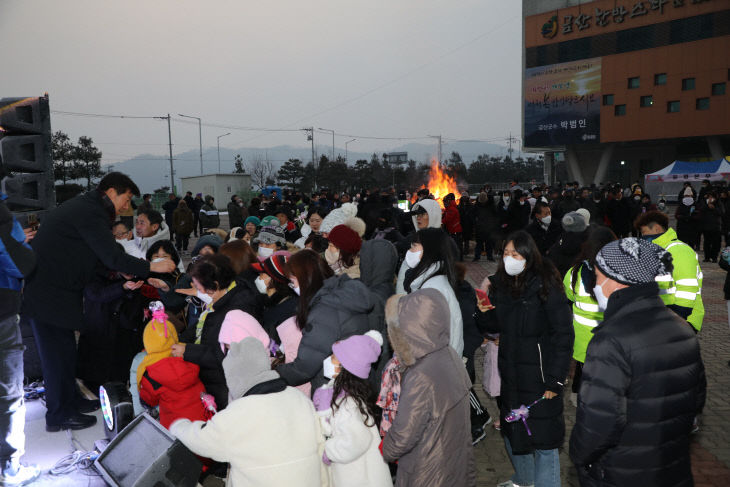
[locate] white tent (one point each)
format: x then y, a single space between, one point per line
669 180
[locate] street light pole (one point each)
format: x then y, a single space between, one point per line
333 141
200 138
353 140
219 150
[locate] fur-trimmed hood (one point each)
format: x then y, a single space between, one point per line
418 324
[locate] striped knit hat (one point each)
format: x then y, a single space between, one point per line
274 266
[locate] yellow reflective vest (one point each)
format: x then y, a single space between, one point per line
684 286
586 315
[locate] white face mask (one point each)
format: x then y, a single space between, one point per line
413 258
331 257
546 220
522 202
513 266
265 253
600 297
505 199
295 289
260 285
328 368
205 298
687 201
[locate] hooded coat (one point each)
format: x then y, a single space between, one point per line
173 384
536 344
182 220
428 279
338 310
269 433
643 383
431 434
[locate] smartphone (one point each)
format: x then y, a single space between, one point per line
481 295
33 222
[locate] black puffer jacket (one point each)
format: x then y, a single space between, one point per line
277 309
378 265
339 310
643 382
565 250
536 343
208 354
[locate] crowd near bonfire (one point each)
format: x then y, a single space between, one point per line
330 339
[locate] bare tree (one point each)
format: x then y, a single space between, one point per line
262 170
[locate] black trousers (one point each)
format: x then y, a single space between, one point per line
57 348
182 241
12 405
711 243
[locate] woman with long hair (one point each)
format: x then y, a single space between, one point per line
579 282
214 283
330 308
534 320
430 264
343 252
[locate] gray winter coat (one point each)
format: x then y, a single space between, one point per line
339 310
431 434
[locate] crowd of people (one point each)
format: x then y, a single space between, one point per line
330 339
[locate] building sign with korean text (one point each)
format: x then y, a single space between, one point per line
562 104
597 17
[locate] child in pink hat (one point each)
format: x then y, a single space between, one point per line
347 414
238 325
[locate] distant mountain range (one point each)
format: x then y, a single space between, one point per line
152 171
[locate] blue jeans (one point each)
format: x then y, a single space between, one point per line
12 404
541 468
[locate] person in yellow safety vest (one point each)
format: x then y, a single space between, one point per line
682 290
579 282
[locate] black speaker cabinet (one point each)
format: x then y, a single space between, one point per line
145 454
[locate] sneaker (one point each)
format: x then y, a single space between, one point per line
509 483
20 475
477 435
484 419
695 426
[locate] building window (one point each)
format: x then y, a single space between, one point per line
228 189
607 100
646 101
633 83
673 106
718 89
619 110
703 103
660 79
688 84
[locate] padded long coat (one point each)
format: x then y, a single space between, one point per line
535 347
643 383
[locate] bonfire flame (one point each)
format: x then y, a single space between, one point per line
439 183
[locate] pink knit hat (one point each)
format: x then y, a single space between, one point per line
357 353
238 325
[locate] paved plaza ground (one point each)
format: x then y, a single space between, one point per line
710 447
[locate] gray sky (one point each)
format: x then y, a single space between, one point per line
386 68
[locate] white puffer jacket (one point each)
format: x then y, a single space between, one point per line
353 448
